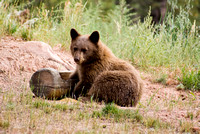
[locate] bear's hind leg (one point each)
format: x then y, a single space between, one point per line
120 87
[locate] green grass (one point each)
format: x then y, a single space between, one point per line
161 79
4 124
186 126
111 111
119 115
48 107
151 122
22 113
191 80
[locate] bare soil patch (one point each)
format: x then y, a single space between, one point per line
19 60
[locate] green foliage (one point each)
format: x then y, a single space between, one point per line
10 105
150 122
111 111
11 28
194 11
48 108
190 115
186 126
190 79
4 124
162 79
26 34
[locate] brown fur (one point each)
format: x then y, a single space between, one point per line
101 74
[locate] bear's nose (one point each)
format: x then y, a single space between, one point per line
76 59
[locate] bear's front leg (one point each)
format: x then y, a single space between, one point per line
74 79
74 75
81 88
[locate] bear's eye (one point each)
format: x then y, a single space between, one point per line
75 49
83 50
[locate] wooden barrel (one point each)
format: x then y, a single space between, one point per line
51 84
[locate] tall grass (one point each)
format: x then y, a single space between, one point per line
175 44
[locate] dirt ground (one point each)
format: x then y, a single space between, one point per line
19 60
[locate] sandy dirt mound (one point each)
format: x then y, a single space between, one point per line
30 56
19 60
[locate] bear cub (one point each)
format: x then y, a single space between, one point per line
101 74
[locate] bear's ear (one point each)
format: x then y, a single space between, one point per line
94 37
74 34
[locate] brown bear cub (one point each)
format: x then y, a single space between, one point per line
101 74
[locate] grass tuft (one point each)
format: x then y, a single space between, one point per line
48 107
111 111
11 28
186 126
190 80
162 79
4 124
153 123
26 34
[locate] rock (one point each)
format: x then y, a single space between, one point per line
180 87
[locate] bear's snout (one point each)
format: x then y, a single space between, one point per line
77 59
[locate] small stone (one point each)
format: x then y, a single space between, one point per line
196 129
2 71
180 87
104 126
